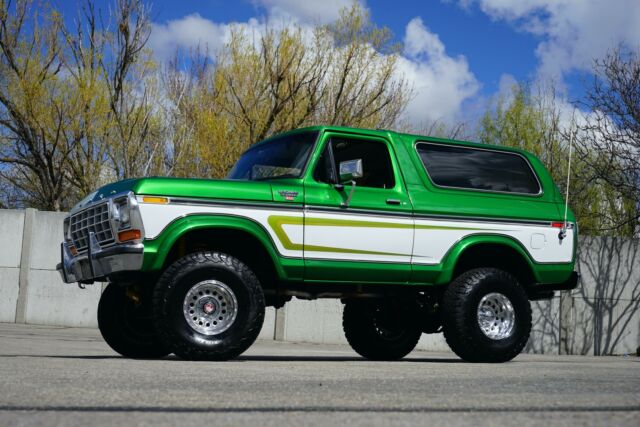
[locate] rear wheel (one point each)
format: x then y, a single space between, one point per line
126 324
487 316
380 330
208 306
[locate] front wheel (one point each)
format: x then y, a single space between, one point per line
124 320
379 329
208 306
487 316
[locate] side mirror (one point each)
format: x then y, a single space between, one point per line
349 170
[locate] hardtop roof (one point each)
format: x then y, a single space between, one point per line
401 136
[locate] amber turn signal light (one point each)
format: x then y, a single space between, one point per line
156 200
126 235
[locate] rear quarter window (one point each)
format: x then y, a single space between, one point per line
478 169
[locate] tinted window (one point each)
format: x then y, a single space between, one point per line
478 169
282 157
376 163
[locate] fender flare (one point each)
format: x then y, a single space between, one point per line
157 249
452 256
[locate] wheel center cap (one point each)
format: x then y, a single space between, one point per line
209 307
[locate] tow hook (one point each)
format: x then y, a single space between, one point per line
83 285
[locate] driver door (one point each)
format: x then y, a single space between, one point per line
362 230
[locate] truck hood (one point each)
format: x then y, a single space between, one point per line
183 187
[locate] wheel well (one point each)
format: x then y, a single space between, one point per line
237 243
496 256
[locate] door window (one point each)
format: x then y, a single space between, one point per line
376 162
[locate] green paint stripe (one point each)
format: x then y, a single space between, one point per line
277 222
315 248
326 222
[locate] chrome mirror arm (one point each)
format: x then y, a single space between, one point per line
346 203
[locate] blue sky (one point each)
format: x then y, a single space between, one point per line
459 54
464 32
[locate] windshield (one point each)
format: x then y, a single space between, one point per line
281 157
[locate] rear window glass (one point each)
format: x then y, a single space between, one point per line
477 169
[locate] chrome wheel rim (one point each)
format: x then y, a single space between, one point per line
210 307
496 316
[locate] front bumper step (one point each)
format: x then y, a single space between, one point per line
96 264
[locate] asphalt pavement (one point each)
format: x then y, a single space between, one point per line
69 377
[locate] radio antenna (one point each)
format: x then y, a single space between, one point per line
563 232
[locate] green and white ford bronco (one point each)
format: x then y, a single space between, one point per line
414 234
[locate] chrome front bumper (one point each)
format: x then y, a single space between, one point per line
96 264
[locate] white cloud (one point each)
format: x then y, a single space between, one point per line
574 32
307 10
186 33
441 82
194 31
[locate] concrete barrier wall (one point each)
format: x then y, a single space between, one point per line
31 290
49 300
602 317
11 230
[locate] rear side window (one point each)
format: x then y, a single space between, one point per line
478 169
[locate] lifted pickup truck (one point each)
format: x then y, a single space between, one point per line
414 234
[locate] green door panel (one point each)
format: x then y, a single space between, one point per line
323 197
322 194
328 271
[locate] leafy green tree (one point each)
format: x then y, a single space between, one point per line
76 102
276 80
610 134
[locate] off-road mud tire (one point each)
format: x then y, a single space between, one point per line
460 314
169 295
360 322
126 323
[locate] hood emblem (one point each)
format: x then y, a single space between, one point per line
288 195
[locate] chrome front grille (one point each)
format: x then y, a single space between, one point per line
94 219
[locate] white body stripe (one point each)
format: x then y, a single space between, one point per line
431 245
156 217
329 235
393 244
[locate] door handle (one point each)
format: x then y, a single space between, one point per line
393 201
